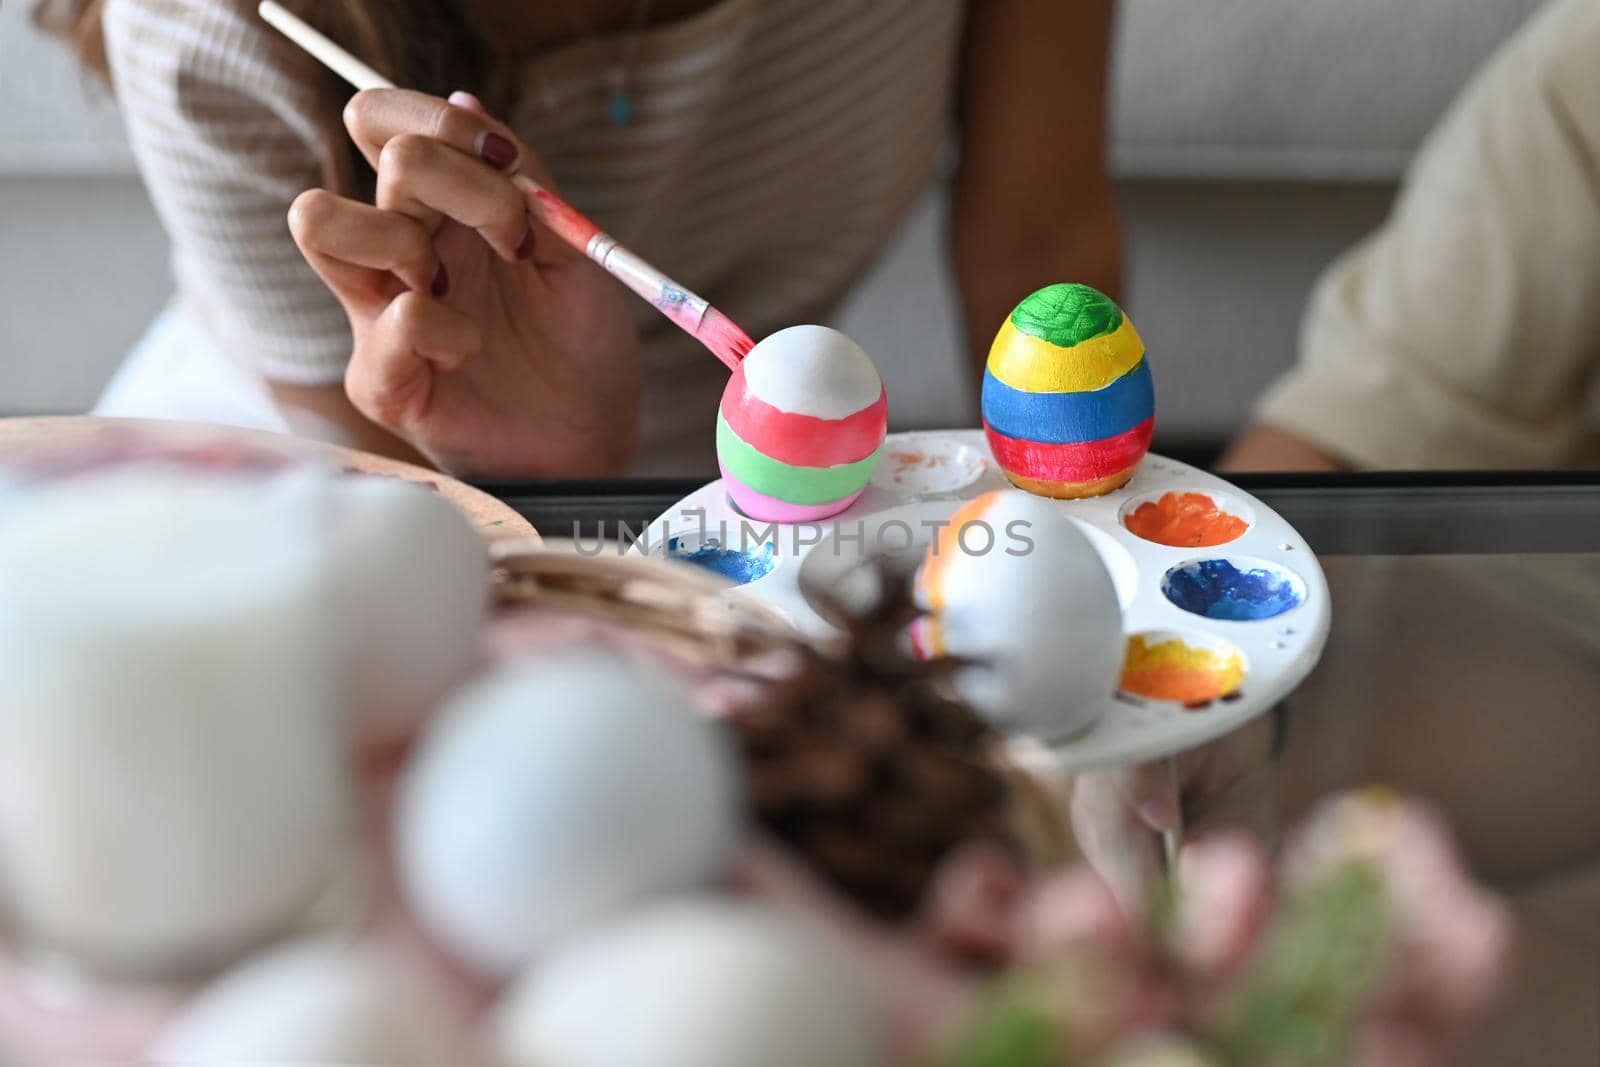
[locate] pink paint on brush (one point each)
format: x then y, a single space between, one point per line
568 223
691 313
722 335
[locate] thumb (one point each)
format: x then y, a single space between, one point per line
1113 833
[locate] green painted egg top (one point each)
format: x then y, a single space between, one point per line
1067 314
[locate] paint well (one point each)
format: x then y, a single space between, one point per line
928 465
1188 670
1233 590
741 568
1185 520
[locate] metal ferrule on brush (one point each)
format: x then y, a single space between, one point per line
684 307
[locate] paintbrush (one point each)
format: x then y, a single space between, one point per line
691 313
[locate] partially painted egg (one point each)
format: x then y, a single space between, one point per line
801 424
1017 587
1068 401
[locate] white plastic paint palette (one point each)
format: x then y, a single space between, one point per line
1217 635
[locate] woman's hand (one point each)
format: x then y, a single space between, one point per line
480 338
1118 816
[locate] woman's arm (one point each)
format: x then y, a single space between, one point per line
227 126
1033 202
1466 331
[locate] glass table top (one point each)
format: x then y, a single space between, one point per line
1464 656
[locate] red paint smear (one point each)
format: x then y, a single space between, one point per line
905 462
803 440
564 219
1185 520
1085 461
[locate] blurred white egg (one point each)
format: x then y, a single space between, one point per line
701 982
318 1002
554 793
412 584
172 777
1013 583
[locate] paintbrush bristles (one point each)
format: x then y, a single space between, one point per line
710 327
724 338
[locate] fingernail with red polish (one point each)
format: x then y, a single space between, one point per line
496 151
441 281
525 249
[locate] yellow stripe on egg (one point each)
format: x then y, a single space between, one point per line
1036 366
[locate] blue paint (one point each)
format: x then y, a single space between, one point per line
1218 589
741 568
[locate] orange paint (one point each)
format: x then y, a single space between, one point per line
946 547
905 462
1184 520
1174 670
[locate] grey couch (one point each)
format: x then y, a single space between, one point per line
1253 140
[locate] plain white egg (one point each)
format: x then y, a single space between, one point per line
413 589
173 781
703 982
555 792
318 1002
1025 592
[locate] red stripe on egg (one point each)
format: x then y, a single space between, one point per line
803 440
1086 461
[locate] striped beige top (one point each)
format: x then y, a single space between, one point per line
774 147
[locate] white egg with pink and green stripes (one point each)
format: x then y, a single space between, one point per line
801 425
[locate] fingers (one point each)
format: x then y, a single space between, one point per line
1151 793
391 374
428 180
462 98
358 249
1114 837
1226 898
377 116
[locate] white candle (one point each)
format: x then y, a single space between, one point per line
173 783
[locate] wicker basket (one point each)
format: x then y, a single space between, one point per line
686 612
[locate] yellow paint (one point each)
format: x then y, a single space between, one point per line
1178 671
1036 366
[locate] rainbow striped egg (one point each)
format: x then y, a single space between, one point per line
801 424
1068 402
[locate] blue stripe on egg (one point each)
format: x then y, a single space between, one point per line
1070 418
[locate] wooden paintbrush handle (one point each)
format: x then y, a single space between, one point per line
572 226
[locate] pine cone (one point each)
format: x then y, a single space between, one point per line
866 763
